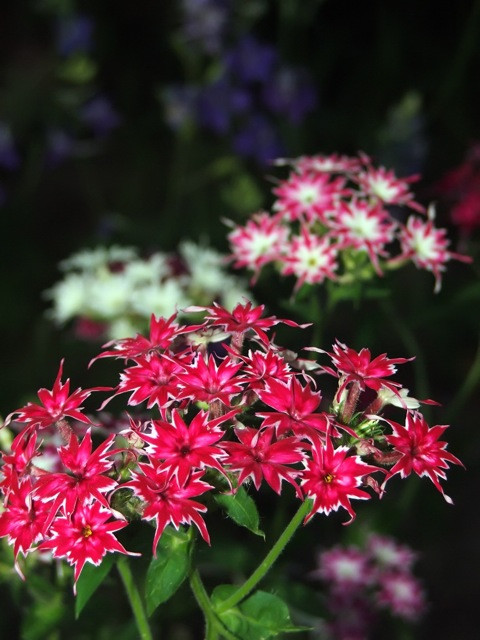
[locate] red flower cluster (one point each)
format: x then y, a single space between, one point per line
230 412
333 220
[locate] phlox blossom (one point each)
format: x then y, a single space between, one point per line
332 478
56 404
310 258
260 455
427 246
207 381
307 196
168 502
384 185
85 536
420 450
402 593
260 241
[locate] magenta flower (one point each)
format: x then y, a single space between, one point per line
263 366
332 478
183 448
295 408
421 450
386 187
345 569
163 332
23 520
403 594
260 455
168 502
56 404
18 462
86 480
353 366
206 381
85 536
153 378
310 258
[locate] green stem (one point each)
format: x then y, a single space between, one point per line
134 599
268 561
213 626
470 384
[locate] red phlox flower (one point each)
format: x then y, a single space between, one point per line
466 213
183 449
163 332
332 478
260 241
345 569
310 258
427 246
85 536
363 226
56 404
152 378
23 520
307 196
385 186
168 502
421 450
86 480
207 381
245 318
262 366
402 593
18 462
260 455
295 405
352 366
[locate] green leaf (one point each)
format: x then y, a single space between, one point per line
259 617
89 581
242 509
169 569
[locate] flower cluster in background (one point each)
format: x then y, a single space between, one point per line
246 89
80 116
460 188
112 292
337 218
231 415
362 582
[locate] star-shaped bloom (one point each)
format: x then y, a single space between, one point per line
168 502
57 403
332 478
260 455
207 381
420 450
85 536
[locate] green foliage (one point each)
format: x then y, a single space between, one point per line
259 617
170 568
241 508
90 579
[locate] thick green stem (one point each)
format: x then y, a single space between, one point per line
251 582
134 599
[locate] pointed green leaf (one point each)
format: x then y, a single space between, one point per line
169 569
90 579
242 509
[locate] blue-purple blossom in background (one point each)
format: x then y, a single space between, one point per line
205 23
74 35
9 156
100 116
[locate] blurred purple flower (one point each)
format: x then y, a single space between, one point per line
59 146
74 34
259 140
179 102
100 116
219 102
290 92
205 23
9 156
250 60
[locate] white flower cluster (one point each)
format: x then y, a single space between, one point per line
117 287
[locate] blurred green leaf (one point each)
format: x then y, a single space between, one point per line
259 617
241 508
78 69
169 569
89 581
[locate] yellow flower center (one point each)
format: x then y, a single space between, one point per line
87 531
328 477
